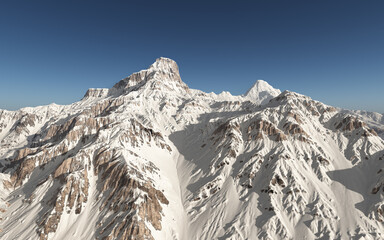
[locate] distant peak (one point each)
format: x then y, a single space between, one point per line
261 85
164 59
163 71
166 65
261 92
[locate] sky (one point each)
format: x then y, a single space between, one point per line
332 51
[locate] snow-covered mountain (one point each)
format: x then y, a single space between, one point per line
261 92
151 158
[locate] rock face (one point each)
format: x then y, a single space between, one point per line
152 159
96 93
163 74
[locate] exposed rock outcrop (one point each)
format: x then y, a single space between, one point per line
257 128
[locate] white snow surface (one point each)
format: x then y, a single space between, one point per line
264 165
261 92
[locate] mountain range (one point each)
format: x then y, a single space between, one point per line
151 158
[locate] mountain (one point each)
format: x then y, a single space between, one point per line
261 92
151 158
373 119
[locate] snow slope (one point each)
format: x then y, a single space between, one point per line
261 92
151 158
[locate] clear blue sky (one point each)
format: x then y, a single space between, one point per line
332 51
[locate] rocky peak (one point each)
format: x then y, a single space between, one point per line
261 92
165 65
163 69
96 93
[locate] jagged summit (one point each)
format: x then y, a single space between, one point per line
95 93
166 68
165 65
163 69
261 92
